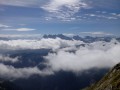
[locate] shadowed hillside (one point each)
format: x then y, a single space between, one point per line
111 81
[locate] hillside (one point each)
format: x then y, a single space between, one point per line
111 81
7 85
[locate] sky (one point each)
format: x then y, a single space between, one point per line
60 16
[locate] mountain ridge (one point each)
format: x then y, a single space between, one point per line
86 39
111 81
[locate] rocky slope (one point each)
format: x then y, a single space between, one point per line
110 81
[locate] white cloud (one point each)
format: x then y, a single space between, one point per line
7 58
23 3
37 44
112 17
92 32
19 29
69 34
99 54
10 72
21 36
97 33
64 8
103 15
93 56
25 29
56 5
4 26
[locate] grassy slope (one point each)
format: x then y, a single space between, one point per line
111 81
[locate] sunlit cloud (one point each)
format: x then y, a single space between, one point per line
94 56
97 33
19 29
4 26
37 44
76 54
64 9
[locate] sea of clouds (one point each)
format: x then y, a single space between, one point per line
68 55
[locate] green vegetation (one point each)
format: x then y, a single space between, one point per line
110 81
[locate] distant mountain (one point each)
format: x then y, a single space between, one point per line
58 36
62 80
86 39
7 85
111 81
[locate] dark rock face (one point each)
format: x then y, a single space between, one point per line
111 81
7 85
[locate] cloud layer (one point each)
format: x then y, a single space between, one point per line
84 59
68 55
37 44
7 58
64 10
10 72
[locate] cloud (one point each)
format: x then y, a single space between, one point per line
102 15
22 3
7 58
97 33
4 26
93 56
29 36
19 29
67 56
63 9
10 72
69 34
56 5
25 29
37 44
112 5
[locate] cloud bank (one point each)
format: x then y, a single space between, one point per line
37 44
83 59
67 55
10 72
7 58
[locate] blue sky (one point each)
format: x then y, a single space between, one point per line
60 16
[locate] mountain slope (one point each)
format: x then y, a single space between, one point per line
7 85
111 81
